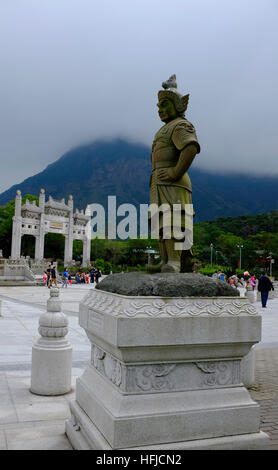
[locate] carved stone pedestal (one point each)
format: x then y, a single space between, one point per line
165 374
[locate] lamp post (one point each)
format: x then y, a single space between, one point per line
149 251
271 261
149 256
211 250
240 248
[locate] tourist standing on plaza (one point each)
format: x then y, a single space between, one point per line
65 278
97 275
265 285
53 277
234 280
69 280
45 277
48 272
246 275
92 274
222 276
253 281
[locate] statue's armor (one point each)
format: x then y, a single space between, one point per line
168 143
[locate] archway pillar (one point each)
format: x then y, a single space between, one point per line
87 240
17 227
39 247
86 252
16 237
68 249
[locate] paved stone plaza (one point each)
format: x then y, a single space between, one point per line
29 421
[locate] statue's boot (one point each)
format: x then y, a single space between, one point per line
187 261
173 264
163 254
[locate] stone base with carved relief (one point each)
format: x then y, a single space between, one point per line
165 373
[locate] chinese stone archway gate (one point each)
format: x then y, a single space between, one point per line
51 217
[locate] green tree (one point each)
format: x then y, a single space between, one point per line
115 252
77 250
136 250
54 246
98 248
227 244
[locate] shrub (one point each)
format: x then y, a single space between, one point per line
209 270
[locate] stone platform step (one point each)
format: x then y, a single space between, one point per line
19 283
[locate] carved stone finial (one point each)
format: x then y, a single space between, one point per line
18 192
42 191
53 323
70 197
170 83
54 292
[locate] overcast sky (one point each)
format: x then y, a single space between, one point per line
76 70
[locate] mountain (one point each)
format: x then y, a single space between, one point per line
100 169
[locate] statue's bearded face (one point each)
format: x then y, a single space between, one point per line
166 110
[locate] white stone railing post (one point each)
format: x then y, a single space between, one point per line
52 353
250 294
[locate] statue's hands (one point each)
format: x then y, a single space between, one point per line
167 174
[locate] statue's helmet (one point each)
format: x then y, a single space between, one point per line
171 92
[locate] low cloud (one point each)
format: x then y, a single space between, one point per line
75 70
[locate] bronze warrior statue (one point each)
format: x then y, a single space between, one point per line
174 148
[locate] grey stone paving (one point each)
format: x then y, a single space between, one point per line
34 422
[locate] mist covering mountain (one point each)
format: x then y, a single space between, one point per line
94 171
